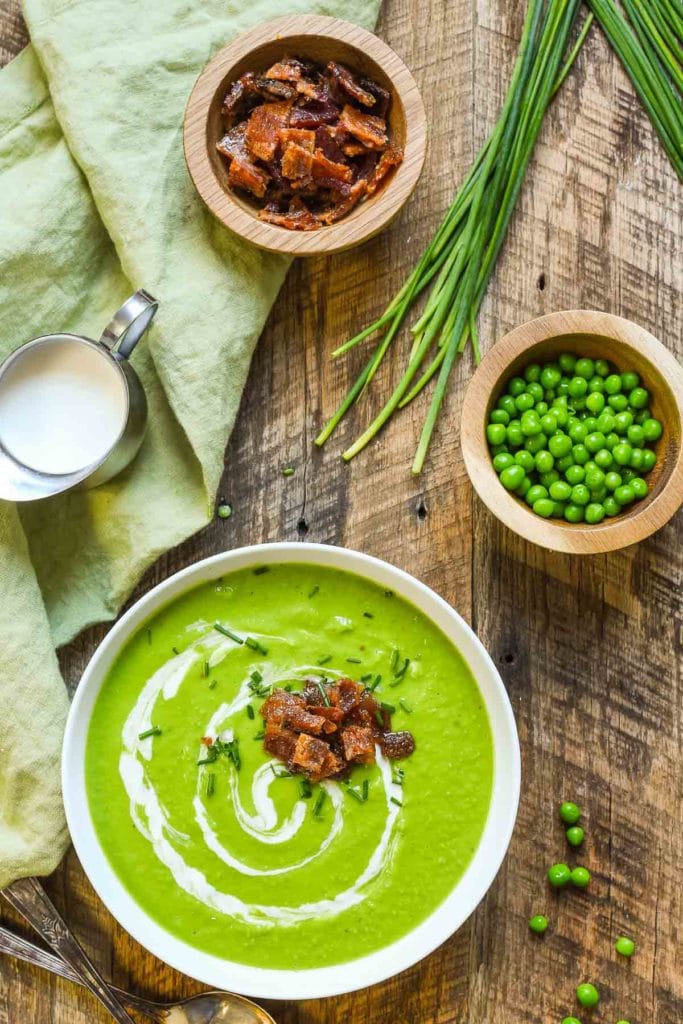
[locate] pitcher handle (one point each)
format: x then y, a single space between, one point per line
129 323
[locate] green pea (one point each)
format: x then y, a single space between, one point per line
575 474
559 445
612 480
624 946
575 835
602 367
536 444
611 506
502 461
544 461
495 433
578 387
635 435
603 458
549 395
649 460
580 495
561 413
613 384
560 490
496 449
547 479
550 376
641 415
512 477
532 372
573 513
531 423
594 479
584 368
595 441
544 507
524 401
549 423
578 432
558 509
596 386
652 430
636 460
624 494
559 875
535 390
570 812
514 434
541 408
595 402
606 421
591 424
525 460
517 386
567 362
587 994
581 454
623 1022
538 923
618 402
565 462
580 877
598 495
578 404
639 486
523 487
535 492
611 441
622 453
571 1020
629 380
562 388
622 421
628 475
507 403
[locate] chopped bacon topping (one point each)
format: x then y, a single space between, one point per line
323 731
308 142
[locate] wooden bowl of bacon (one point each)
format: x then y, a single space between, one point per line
305 135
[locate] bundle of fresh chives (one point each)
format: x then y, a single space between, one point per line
459 260
648 38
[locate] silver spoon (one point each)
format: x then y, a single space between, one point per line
207 1008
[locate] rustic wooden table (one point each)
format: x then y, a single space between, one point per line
588 647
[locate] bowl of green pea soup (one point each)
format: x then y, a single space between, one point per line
572 432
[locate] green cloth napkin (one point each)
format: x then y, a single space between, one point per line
95 201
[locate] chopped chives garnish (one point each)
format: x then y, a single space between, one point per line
250 712
288 687
388 593
379 718
395 801
323 693
388 707
406 707
404 667
260 735
228 632
213 684
255 645
318 806
355 794
154 731
395 656
280 773
315 590
366 678
366 788
233 752
325 659
375 683
256 676
175 650
305 789
397 776
260 569
205 669
209 783
288 471
354 661
368 615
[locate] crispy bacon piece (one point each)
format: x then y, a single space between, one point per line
324 740
321 167
272 88
263 128
345 205
233 144
382 97
245 175
289 69
297 218
301 136
353 149
315 113
326 140
346 83
236 96
297 162
391 158
367 128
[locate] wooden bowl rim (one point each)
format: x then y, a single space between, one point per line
581 538
378 211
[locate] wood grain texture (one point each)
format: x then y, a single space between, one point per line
627 346
318 39
590 648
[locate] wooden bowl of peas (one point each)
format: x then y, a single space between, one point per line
572 432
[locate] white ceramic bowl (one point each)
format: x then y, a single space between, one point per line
262 982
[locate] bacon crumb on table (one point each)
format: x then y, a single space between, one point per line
308 142
323 737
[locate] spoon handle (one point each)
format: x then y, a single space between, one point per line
28 897
22 949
